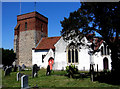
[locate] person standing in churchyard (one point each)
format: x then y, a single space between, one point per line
35 71
48 70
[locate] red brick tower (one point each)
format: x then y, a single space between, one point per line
30 28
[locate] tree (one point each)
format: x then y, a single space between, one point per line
102 18
8 57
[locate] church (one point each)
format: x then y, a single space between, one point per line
33 46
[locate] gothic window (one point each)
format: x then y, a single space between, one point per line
25 25
76 55
105 49
69 56
102 50
108 52
72 54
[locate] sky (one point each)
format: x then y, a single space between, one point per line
54 11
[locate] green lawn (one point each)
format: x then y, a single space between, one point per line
57 79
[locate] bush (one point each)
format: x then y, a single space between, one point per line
71 70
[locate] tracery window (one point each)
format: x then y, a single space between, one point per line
105 50
72 54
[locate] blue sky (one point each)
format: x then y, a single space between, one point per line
54 11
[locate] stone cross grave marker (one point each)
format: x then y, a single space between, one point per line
24 81
19 76
34 70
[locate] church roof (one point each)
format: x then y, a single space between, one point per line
47 43
98 42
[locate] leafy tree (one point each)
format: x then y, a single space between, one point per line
102 18
8 57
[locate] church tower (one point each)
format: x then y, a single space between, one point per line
30 28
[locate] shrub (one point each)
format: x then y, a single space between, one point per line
71 70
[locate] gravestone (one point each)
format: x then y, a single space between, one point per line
15 68
19 68
10 67
34 70
19 75
7 71
24 81
48 70
4 67
23 67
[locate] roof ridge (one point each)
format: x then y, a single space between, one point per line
52 37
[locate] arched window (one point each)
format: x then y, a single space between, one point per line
102 50
105 49
108 52
76 55
25 25
72 54
69 56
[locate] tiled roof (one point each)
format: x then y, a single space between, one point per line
47 43
98 41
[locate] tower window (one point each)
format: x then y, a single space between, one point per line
41 27
25 25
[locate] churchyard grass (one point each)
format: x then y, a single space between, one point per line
56 79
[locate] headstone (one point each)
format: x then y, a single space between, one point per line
15 68
34 70
10 67
19 68
19 75
48 70
4 68
7 71
24 81
23 67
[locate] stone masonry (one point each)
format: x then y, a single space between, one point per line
28 35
